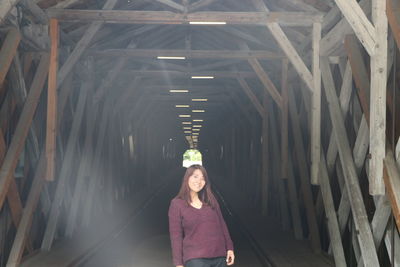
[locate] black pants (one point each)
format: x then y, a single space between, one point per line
210 262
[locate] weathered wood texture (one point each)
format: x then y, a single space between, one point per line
21 131
165 17
5 7
51 132
356 201
8 50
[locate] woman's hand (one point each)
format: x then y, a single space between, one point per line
230 257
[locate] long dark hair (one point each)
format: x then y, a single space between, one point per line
205 195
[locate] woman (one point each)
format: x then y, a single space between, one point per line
199 236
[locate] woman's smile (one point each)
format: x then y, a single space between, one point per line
196 181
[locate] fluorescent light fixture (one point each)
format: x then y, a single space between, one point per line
198 110
207 22
166 57
182 106
196 130
198 120
197 126
199 99
188 132
195 133
202 77
179 91
187 128
184 116
186 122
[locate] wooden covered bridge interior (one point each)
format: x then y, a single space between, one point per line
294 105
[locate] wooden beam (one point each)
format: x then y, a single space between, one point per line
172 4
94 177
65 3
52 102
393 15
292 54
82 44
199 4
5 8
265 164
22 234
252 97
64 171
333 226
269 86
360 73
392 182
378 100
288 48
294 201
354 192
189 54
8 51
316 106
333 40
166 17
187 74
304 175
83 171
22 128
331 154
359 22
284 121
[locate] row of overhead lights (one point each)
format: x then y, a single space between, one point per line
191 131
192 128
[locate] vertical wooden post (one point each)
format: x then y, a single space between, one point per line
265 158
284 121
378 99
52 102
316 106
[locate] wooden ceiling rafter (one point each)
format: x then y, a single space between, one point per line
166 17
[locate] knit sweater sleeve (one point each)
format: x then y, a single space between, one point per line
228 240
176 232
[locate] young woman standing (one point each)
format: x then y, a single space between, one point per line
198 232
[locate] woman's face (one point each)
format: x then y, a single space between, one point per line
196 181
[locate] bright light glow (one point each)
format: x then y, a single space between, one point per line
195 133
186 122
202 77
182 106
162 57
198 120
199 99
207 22
184 116
187 132
197 126
179 91
187 128
196 130
198 110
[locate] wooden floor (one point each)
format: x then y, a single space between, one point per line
144 242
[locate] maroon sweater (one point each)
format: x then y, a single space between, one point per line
197 233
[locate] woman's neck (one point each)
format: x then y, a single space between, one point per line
194 196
